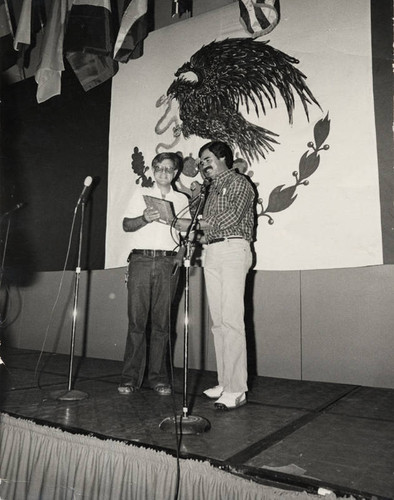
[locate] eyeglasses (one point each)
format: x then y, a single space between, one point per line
167 170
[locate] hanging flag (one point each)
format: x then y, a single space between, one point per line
7 53
50 67
23 31
259 17
179 7
31 21
133 30
89 42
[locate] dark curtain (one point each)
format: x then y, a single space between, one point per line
48 150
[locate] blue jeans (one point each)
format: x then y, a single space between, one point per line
151 289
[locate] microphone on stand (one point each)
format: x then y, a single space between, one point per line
178 260
202 190
205 183
85 191
17 207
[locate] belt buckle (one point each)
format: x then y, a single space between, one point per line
226 238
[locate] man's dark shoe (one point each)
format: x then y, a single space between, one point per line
162 389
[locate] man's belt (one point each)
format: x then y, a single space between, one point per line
153 253
218 240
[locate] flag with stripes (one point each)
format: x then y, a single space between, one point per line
51 65
32 20
7 54
89 42
133 30
259 17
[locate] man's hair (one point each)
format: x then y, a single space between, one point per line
175 158
220 150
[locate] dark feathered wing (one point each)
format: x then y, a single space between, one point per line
234 72
244 71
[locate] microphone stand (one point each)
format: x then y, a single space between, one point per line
72 394
188 424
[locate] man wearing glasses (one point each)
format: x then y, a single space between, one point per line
151 282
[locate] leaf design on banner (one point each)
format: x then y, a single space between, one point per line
139 167
308 165
281 199
321 131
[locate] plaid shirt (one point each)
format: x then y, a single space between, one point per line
229 208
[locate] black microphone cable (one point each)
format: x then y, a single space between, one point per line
36 373
7 217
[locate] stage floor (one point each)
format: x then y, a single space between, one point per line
296 435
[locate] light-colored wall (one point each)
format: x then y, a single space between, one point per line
331 325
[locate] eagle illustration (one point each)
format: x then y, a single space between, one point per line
223 75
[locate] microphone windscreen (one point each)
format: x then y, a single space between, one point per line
88 181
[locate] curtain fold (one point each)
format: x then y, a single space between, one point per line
43 463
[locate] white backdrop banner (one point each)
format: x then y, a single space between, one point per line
318 189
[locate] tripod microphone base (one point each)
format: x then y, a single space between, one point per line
66 395
185 425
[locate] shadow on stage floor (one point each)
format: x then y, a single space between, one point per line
296 435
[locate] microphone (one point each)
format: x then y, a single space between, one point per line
205 185
178 258
17 207
85 191
202 191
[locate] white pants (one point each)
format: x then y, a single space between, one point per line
225 268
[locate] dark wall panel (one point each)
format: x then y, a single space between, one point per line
382 44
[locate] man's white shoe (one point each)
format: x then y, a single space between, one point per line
214 392
230 400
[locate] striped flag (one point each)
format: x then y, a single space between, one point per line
133 30
89 42
259 17
31 21
48 74
23 31
7 54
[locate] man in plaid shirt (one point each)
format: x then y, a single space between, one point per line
228 222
